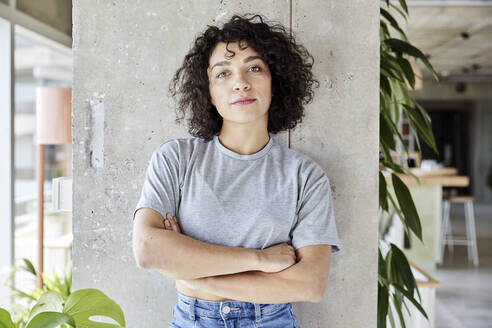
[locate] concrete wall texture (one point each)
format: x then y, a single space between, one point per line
124 56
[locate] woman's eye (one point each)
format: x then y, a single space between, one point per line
256 68
220 75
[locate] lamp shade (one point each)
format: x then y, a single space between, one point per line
53 115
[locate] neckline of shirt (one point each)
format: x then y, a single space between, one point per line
262 152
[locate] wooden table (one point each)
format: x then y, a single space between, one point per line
445 177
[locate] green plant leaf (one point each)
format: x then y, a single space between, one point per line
394 130
384 84
395 167
47 282
390 273
397 96
400 94
400 215
383 281
390 63
407 206
407 70
383 199
381 265
404 270
5 319
85 303
390 315
390 74
384 32
420 126
404 15
411 299
427 120
50 320
21 294
397 301
401 46
382 305
392 22
28 267
56 279
385 133
422 111
403 4
48 302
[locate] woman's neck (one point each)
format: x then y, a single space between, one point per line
243 141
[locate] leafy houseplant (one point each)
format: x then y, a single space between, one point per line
395 280
56 305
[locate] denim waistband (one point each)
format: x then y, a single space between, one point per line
226 309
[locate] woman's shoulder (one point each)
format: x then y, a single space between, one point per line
180 144
180 148
305 167
296 157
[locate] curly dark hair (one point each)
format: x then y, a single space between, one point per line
289 62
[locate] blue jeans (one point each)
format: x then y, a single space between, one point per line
191 312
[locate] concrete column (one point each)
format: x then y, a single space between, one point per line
341 132
124 56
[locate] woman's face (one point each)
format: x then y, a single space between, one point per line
242 77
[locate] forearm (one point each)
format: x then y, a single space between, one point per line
293 284
181 257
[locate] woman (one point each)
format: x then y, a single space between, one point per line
256 221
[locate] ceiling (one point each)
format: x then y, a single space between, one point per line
456 35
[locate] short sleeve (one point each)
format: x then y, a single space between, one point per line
161 188
315 215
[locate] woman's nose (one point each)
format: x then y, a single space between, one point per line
241 83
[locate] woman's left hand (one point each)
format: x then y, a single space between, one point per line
171 223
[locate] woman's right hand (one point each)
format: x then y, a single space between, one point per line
277 257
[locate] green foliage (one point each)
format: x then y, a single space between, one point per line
56 306
26 299
396 282
5 319
51 310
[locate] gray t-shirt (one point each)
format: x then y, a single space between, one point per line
253 201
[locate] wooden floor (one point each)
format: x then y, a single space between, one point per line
465 296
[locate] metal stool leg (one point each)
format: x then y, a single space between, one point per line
443 232
450 231
468 232
473 233
444 227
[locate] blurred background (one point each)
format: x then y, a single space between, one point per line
455 35
35 51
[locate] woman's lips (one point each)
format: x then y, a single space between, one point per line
244 102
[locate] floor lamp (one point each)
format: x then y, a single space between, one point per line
53 127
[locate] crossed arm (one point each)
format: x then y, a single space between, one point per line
304 281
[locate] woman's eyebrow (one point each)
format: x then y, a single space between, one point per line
227 63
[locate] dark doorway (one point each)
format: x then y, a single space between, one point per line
451 124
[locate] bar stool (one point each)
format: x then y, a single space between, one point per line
446 232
